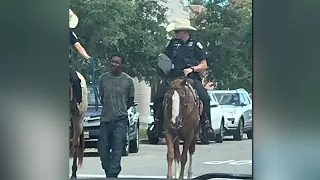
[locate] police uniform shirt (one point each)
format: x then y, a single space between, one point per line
198 48
73 37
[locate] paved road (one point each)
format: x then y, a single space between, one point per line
228 157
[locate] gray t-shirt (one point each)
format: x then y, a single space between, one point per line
115 91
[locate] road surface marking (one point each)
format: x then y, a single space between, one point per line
230 162
120 176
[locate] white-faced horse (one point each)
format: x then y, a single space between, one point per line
76 132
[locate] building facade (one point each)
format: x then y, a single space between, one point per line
196 10
176 9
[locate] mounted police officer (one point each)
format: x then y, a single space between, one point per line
186 59
74 41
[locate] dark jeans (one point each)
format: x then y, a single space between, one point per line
204 97
112 137
76 84
197 85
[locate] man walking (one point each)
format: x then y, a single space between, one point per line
116 89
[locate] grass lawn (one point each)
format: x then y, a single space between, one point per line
143 131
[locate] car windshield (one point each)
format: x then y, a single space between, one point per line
91 98
228 98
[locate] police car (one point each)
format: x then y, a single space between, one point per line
237 112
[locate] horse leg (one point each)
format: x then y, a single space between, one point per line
184 155
74 167
191 152
170 153
177 158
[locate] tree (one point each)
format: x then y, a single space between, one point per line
130 27
226 33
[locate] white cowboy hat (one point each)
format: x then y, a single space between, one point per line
180 24
73 19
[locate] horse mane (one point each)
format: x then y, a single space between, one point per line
178 83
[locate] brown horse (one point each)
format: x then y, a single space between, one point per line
181 116
76 145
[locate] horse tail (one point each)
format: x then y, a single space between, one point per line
80 151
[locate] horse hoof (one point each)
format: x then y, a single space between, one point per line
73 177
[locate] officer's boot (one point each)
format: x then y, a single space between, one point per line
156 119
206 118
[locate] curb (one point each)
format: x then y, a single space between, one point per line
144 141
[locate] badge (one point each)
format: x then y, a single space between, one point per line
190 44
199 45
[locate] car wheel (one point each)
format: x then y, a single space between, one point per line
126 147
238 136
250 134
153 140
220 137
134 143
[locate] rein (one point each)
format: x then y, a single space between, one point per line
96 95
186 100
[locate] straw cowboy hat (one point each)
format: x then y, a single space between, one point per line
180 24
73 19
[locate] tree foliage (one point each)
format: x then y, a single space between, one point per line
226 32
129 27
133 27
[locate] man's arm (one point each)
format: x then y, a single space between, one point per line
81 50
74 40
199 54
101 91
131 90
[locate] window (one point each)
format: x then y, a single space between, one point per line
245 98
134 109
184 3
242 100
213 98
228 98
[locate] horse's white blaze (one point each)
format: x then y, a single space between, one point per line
177 169
175 106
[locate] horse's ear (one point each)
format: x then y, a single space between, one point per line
184 82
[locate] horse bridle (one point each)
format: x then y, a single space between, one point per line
184 89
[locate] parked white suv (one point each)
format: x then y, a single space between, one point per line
237 112
217 118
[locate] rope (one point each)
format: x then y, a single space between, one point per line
96 95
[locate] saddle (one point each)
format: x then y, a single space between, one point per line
74 109
195 94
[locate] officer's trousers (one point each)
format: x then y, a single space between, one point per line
76 84
197 85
